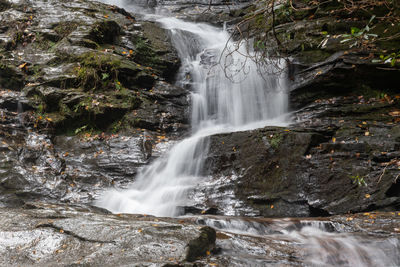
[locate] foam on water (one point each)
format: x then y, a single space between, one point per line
228 94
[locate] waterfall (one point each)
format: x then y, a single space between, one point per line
228 93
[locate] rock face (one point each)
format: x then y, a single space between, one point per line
86 64
313 171
74 75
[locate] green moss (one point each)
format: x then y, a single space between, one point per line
65 28
97 71
275 140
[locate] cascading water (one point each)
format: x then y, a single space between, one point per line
316 243
228 94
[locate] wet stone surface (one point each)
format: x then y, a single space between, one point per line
340 155
49 235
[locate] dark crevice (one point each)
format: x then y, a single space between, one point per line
394 190
317 212
70 233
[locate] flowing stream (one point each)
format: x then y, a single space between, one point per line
228 94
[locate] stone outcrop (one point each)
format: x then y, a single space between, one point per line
84 63
48 235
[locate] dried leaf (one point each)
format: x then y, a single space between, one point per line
395 113
22 65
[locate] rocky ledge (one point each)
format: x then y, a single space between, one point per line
49 235
86 66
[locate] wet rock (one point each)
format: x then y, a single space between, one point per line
4 4
166 110
339 157
105 32
214 12
10 78
198 247
306 241
78 236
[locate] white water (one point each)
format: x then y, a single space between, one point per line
218 105
318 243
244 100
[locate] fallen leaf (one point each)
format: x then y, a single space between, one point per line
22 65
394 113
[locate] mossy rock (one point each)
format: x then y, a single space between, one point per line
102 72
64 28
94 113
